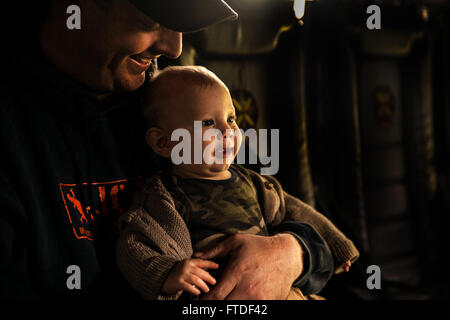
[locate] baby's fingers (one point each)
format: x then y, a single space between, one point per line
205 264
198 283
204 275
191 288
347 266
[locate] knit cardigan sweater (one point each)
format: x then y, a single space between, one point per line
154 236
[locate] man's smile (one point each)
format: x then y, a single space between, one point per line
141 62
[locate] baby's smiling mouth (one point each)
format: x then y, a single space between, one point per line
224 153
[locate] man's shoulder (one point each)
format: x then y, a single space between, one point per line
15 84
10 105
17 89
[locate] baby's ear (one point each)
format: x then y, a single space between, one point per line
158 140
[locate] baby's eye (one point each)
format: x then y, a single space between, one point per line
232 119
208 123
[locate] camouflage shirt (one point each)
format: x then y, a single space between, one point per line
213 209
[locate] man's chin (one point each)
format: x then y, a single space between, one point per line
129 83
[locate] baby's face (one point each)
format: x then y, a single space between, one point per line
213 107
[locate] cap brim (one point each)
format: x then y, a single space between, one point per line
186 15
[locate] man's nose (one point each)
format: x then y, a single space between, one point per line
169 43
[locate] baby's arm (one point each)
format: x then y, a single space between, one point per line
190 275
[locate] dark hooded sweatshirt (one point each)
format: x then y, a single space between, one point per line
68 168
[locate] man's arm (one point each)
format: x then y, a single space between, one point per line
341 247
318 262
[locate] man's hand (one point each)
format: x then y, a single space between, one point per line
260 268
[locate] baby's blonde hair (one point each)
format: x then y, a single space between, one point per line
162 89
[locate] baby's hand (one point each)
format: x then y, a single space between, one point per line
347 266
189 275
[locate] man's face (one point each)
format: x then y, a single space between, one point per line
118 44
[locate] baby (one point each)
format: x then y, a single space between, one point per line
214 197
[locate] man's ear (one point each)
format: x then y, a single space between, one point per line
158 140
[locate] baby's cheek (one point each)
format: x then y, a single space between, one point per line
211 144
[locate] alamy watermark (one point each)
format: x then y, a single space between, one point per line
221 148
73 22
374 20
74 279
374 280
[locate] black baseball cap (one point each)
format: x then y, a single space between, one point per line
186 15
